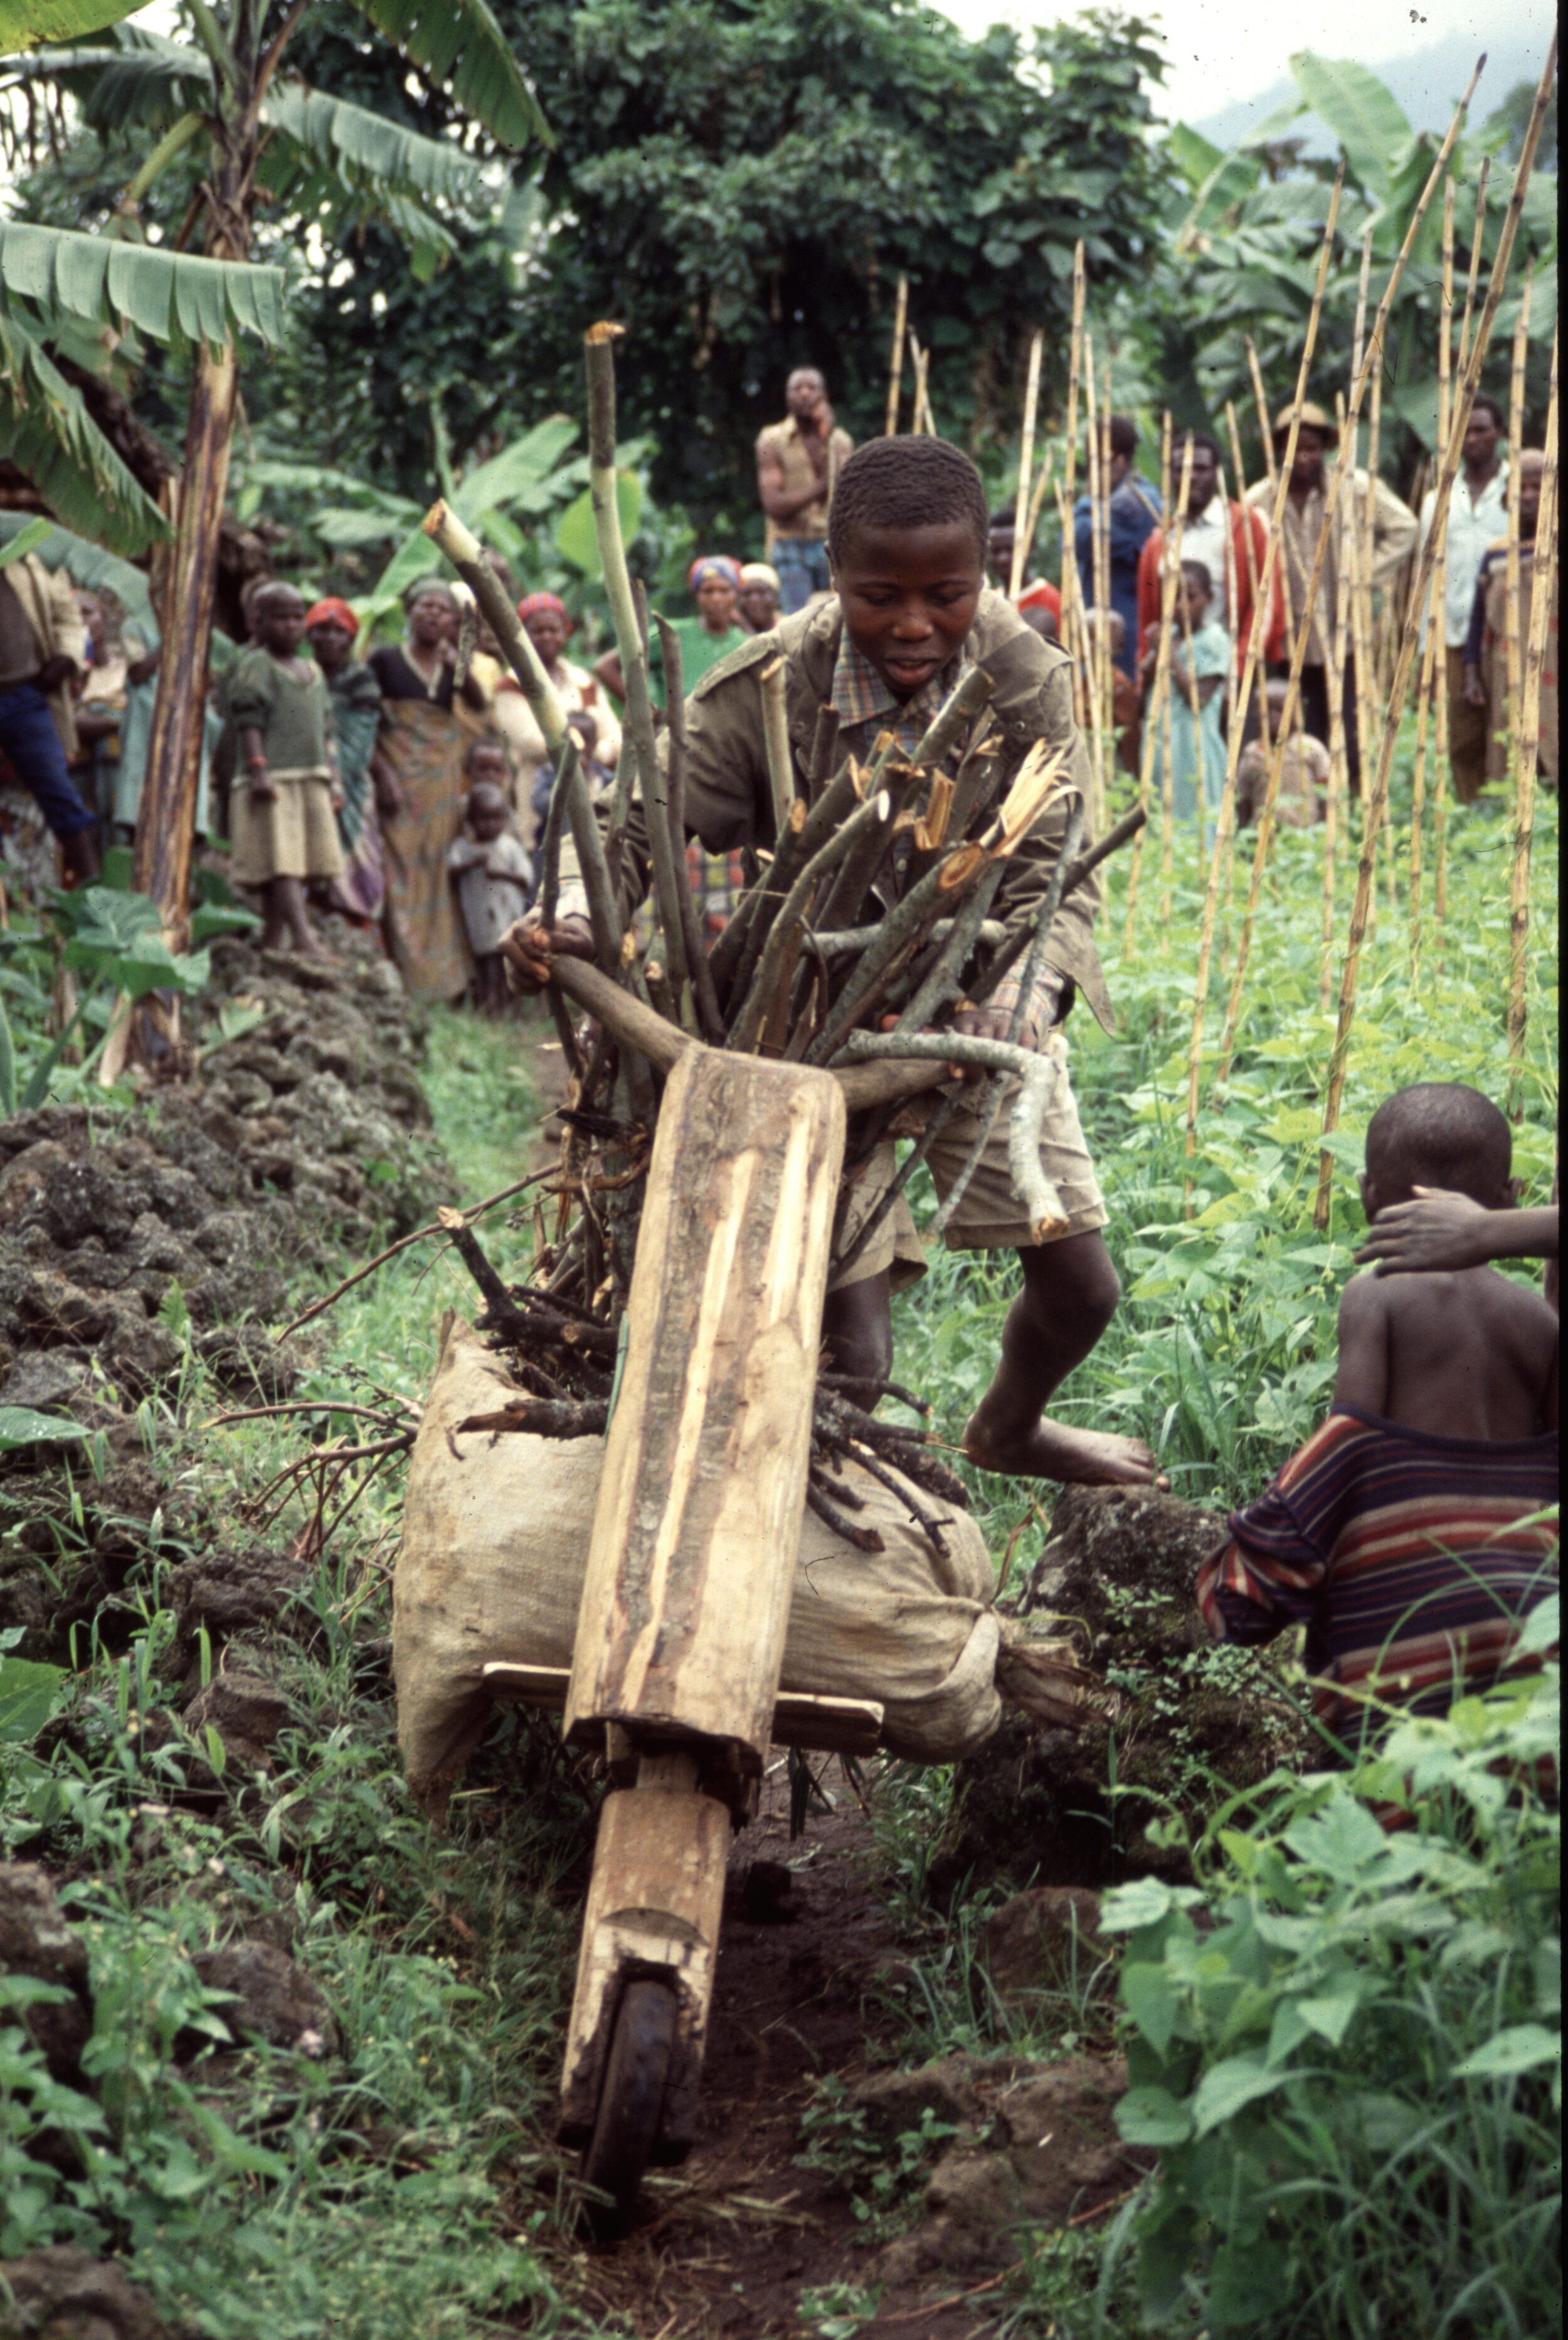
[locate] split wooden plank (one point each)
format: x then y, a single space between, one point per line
697 1529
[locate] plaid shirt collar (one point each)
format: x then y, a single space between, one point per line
861 697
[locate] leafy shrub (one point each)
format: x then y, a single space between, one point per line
1346 2045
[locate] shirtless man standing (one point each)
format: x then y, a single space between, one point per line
797 462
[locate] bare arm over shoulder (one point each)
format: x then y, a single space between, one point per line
1363 1378
1444 1230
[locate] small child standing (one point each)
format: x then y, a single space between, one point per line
1408 1534
1196 741
282 815
493 874
1302 771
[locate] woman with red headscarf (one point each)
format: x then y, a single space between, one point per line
548 628
353 716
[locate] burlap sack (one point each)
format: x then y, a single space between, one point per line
495 1548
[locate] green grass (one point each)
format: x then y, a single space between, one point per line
398 2192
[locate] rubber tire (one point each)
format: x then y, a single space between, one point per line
636 2074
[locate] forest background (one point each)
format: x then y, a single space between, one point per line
741 182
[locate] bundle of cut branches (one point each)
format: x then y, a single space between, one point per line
813 967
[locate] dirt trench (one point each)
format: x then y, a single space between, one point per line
727 2245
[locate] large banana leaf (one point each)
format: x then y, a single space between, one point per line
141 82
1363 112
46 431
518 469
458 43
170 295
358 145
24 24
89 564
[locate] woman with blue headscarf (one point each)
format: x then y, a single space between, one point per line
713 581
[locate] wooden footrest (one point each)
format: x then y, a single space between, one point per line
827 1726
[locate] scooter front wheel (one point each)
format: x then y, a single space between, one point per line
636 2073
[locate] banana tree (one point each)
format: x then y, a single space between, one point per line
222 93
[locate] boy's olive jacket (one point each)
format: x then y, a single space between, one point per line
729 802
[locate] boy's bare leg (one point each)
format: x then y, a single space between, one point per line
1070 1297
276 924
857 1335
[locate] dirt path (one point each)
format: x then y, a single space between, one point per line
728 2243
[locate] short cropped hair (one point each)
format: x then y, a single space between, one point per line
1005 516
1203 438
1200 570
1124 436
271 589
1440 1133
486 743
1484 398
905 483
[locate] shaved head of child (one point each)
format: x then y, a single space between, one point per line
487 810
907 537
1438 1134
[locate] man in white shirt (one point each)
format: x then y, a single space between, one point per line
1477 517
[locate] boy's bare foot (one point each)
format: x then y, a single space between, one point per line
1050 1450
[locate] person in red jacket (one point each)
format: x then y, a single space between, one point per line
1203 539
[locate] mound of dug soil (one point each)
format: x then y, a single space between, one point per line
124 1233
1038 1805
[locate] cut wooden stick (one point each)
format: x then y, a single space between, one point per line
705 997
1542 622
599 351
896 369
1025 465
457 540
776 745
1469 384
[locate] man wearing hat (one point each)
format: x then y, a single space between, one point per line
1394 529
798 461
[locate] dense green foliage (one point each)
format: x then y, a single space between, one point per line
1347 2046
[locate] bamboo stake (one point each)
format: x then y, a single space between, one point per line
1106 670
1372 362
1514 647
1469 384
1433 674
895 372
1026 464
1272 562
1440 811
1542 603
1152 702
1037 504
1075 362
1158 731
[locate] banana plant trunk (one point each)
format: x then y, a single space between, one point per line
167 817
165 822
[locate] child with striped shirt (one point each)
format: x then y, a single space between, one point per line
1407 1535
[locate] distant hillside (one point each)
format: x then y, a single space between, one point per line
1427 81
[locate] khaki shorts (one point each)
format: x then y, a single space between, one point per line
989 1216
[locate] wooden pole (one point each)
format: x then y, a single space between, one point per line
1148 734
1513 646
1075 363
1026 464
1440 811
1157 716
1434 671
896 370
1469 384
1542 613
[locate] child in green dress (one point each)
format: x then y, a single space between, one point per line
283 813
1196 741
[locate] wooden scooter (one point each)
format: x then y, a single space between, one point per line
696 1536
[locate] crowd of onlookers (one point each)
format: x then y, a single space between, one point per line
406 788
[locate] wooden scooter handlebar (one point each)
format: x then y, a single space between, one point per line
624 1015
